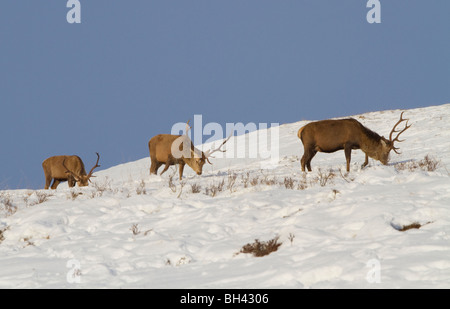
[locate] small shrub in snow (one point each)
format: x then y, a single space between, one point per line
211 191
302 185
195 188
41 197
141 188
101 188
245 179
231 181
291 237
334 194
427 164
2 237
254 181
27 241
172 186
324 176
289 183
135 229
6 204
214 189
182 261
269 181
259 248
221 185
74 194
76 272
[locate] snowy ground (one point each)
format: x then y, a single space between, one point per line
132 230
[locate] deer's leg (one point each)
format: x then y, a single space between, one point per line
55 183
181 165
365 162
154 167
307 157
169 162
348 155
308 164
48 180
302 161
166 167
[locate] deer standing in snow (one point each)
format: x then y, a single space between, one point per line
333 135
67 168
171 149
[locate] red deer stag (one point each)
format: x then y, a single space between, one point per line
178 149
332 135
66 168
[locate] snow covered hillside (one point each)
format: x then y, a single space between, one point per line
337 230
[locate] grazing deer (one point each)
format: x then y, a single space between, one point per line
332 135
66 168
178 149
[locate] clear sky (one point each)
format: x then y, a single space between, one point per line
132 69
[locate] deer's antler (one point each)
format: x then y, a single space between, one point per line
209 152
399 132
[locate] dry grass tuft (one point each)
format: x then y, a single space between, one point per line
245 179
214 189
259 248
6 204
172 186
231 181
74 194
323 177
427 164
140 190
254 181
2 237
196 188
42 196
135 229
101 188
289 182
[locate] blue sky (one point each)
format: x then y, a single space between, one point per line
132 69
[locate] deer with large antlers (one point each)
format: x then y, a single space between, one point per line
178 149
332 135
67 168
